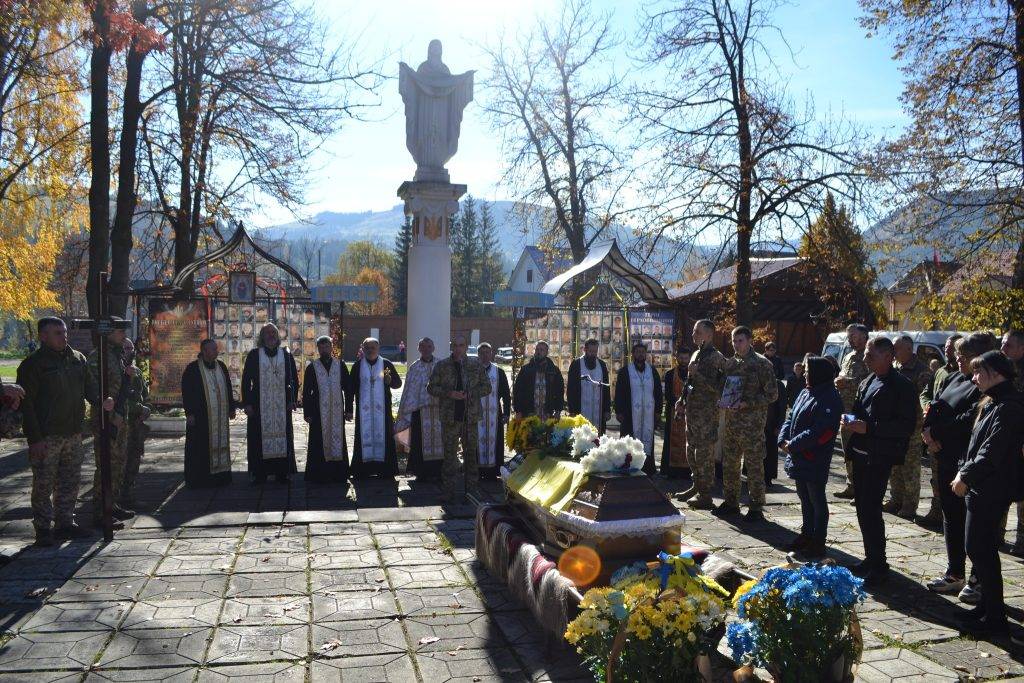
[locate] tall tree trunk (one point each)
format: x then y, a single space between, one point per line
99 152
744 305
124 217
1017 7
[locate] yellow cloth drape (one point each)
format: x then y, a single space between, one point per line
550 482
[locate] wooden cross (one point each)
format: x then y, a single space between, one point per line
103 325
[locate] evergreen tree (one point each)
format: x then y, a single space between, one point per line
492 271
399 274
836 260
465 259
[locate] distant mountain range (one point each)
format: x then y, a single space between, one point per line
893 250
381 228
924 229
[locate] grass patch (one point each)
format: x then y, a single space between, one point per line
445 544
889 641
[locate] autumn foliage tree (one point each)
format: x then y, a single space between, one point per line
737 155
40 147
116 26
385 303
964 149
248 90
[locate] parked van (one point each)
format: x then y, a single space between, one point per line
927 344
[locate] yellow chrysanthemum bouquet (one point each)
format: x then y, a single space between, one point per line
653 624
551 437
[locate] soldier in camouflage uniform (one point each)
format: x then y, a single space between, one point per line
905 480
138 413
852 371
744 424
56 383
1013 347
459 383
116 375
699 403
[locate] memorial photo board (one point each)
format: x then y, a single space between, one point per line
175 330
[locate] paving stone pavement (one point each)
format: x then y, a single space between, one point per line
305 582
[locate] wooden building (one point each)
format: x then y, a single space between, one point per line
785 304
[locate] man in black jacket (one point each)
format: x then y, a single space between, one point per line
539 388
884 416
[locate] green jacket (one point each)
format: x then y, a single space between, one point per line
138 397
932 391
444 379
56 386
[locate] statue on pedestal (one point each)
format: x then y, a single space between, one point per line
434 100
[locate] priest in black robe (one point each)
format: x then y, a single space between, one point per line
638 401
588 389
209 408
324 385
495 410
270 389
673 451
370 383
539 388
420 413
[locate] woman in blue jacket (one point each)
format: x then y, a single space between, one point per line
807 438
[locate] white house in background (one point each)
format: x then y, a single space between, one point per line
534 268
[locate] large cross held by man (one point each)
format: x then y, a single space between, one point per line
102 326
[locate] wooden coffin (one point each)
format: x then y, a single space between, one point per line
624 518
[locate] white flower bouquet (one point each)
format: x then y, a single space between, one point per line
613 454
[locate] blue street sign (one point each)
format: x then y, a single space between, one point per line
363 294
521 299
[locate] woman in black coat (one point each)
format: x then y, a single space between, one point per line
989 480
948 422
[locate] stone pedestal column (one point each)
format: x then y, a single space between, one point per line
429 303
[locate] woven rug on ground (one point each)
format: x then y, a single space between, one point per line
534 580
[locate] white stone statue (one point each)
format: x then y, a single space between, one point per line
434 100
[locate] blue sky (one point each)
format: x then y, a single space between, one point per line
360 168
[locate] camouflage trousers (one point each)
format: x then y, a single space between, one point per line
701 457
844 437
118 443
134 449
905 480
454 433
56 473
701 437
743 445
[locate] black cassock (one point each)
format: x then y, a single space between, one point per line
624 407
525 384
258 467
574 392
318 468
197 435
388 468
